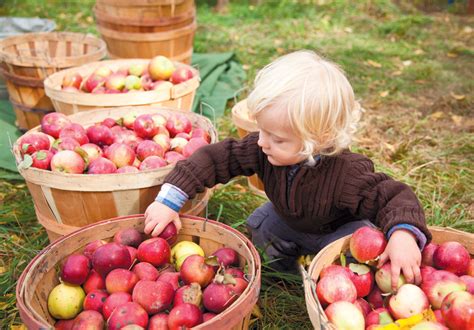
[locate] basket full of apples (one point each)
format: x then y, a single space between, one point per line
111 275
344 289
129 82
100 164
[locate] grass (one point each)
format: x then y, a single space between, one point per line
410 66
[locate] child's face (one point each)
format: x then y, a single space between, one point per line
277 139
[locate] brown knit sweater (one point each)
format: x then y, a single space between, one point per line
338 189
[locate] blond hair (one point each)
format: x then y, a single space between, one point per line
317 97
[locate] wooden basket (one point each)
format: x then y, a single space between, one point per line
75 200
332 252
245 125
27 59
179 96
40 276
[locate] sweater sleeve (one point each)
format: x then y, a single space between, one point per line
376 196
216 163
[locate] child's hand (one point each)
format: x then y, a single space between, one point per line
158 216
404 255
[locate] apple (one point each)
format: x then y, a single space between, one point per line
145 127
156 251
147 83
90 248
195 269
202 133
75 131
147 148
113 301
103 71
383 277
180 75
88 320
235 272
334 288
425 272
469 281
172 157
75 269
129 138
95 300
121 280
184 316
101 165
66 143
92 150
427 254
32 142
64 324
109 257
171 278
160 68
53 122
218 296
128 313
184 135
375 298
164 141
169 233
93 83
100 134
453 257
127 169
190 294
193 145
439 284
109 122
345 316
72 79
408 301
133 83
439 316
71 89
153 296
152 162
378 316
178 144
158 322
159 120
42 159
120 154
334 269
67 161
93 282
129 119
99 90
458 310
362 277
128 236
65 301
115 82
182 250
241 284
133 252
178 123
226 256
367 243
137 69
146 271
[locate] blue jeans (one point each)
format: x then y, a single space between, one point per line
283 245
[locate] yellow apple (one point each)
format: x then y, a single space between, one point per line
182 250
160 68
65 301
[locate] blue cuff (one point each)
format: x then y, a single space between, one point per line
420 237
172 196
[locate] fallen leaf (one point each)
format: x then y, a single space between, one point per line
458 97
467 29
407 63
277 42
89 19
420 81
397 73
457 120
245 67
2 270
374 64
384 93
437 115
18 327
452 55
419 52
348 30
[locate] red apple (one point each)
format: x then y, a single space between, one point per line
453 257
42 159
133 252
193 145
120 154
345 315
439 284
171 278
95 300
426 272
169 233
109 257
458 310
363 279
427 254
408 301
218 296
101 165
100 89
184 316
378 316
334 269
195 269
75 269
153 296
202 133
184 135
92 150
113 301
235 272
190 294
93 83
470 269
66 143
32 142
383 277
121 280
158 322
375 298
161 85
75 131
159 120
128 137
90 248
180 75
335 288
149 148
109 122
177 144
227 256
469 281
240 285
128 236
53 122
207 316
178 123
152 162
160 68
172 157
129 119
439 316
146 271
67 161
156 251
163 140
127 169
72 79
88 320
64 324
367 243
100 134
145 127
93 282
128 313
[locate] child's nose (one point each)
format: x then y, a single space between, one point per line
262 141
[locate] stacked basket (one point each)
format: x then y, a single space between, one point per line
26 60
146 28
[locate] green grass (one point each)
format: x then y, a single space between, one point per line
411 68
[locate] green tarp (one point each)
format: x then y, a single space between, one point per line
222 77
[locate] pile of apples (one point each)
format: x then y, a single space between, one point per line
135 282
131 144
159 74
360 296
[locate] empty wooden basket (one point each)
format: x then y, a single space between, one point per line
40 276
27 59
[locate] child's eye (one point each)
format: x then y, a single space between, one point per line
278 141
